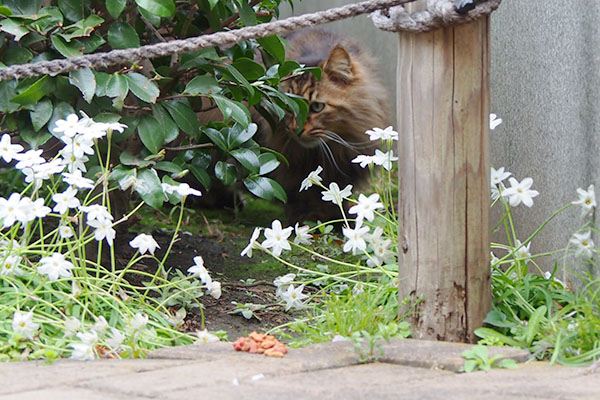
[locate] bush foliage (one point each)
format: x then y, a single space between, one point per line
158 99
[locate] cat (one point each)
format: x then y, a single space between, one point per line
348 100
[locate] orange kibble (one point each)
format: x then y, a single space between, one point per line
267 344
273 353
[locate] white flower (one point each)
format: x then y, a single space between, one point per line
384 159
65 231
68 127
29 159
253 244
39 209
282 283
115 340
302 235
71 326
183 190
90 338
584 244
128 182
55 266
548 275
205 336
96 212
8 151
366 207
293 297
385 134
72 163
104 230
82 352
355 237
100 326
587 200
494 121
495 192
145 243
276 238
358 289
214 289
115 126
76 179
11 210
519 192
9 265
382 253
138 322
65 200
78 145
199 269
498 175
178 319
522 252
313 178
335 195
363 160
23 325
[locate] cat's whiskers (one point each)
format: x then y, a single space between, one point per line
326 150
356 146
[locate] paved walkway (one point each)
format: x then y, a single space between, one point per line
410 369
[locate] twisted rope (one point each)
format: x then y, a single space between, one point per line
226 38
439 13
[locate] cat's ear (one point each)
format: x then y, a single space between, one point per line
339 64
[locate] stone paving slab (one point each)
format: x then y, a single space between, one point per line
325 371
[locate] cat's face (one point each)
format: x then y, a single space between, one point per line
339 104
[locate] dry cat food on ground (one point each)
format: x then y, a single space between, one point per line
260 343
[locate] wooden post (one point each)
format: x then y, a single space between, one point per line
444 184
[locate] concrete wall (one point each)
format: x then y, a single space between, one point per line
545 84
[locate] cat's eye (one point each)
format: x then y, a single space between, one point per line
317 106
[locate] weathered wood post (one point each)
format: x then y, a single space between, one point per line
443 120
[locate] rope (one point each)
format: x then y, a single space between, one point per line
225 38
439 13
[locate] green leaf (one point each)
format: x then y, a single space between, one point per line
184 116
161 8
121 35
150 188
249 68
232 109
41 114
168 166
32 138
21 7
126 158
168 126
213 3
142 87
85 81
117 86
493 336
5 11
239 135
287 67
217 138
115 7
204 84
92 43
35 92
274 46
7 92
73 10
265 188
532 326
225 172
247 14
14 28
202 176
150 133
74 48
83 28
238 77
268 163
507 363
247 158
17 55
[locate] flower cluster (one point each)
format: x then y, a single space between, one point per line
517 193
198 269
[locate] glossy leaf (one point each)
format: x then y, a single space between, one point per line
274 46
151 134
249 68
268 162
202 176
150 188
74 48
115 7
265 188
41 114
184 116
247 158
225 172
168 126
85 81
205 84
14 28
71 9
117 86
239 135
247 14
35 92
232 109
126 158
121 35
142 87
161 8
217 138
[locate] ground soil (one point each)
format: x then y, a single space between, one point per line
219 240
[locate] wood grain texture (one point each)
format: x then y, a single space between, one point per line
443 120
